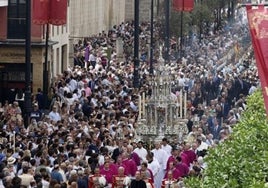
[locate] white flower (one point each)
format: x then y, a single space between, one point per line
127 181
102 181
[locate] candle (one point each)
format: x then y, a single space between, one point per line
177 107
139 107
14 137
166 118
156 90
181 104
143 105
185 104
170 115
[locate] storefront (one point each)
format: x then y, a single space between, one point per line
13 67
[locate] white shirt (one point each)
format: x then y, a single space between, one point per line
1 184
162 157
154 166
203 146
142 153
167 148
92 57
181 82
133 106
45 183
54 116
26 179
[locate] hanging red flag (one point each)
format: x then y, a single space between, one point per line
50 11
258 24
58 12
41 11
183 5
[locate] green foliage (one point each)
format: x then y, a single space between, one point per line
175 22
242 160
201 13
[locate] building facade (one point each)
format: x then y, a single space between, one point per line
102 15
85 18
12 49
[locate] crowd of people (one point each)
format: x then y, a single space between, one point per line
86 136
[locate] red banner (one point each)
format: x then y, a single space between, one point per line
50 11
58 12
40 11
183 5
258 24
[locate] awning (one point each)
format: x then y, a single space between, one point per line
3 3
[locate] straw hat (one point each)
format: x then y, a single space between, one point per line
11 160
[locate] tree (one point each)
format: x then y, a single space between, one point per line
175 22
242 160
201 16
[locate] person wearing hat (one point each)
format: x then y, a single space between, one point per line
11 165
11 160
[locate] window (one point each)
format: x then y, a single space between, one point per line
16 19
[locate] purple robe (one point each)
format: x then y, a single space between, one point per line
108 174
183 168
175 173
170 159
136 158
130 167
189 157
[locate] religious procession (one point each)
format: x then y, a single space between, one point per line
99 131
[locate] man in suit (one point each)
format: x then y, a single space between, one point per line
138 182
216 129
225 107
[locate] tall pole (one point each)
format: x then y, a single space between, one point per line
181 51
45 73
27 98
152 38
157 8
167 32
136 46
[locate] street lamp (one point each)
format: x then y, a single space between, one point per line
27 100
136 46
152 38
181 35
167 31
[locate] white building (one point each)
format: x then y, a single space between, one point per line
86 18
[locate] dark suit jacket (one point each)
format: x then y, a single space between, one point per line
216 132
138 184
